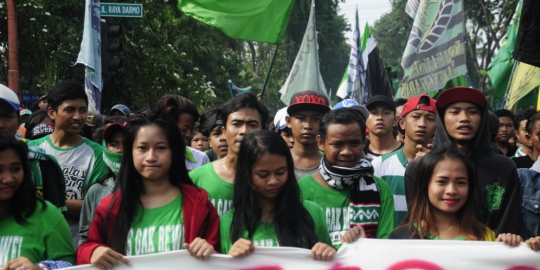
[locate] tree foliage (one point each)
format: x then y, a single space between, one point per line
166 52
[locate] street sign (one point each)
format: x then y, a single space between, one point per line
30 97
121 10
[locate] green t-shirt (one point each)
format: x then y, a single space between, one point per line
156 230
391 168
265 234
81 164
45 236
335 205
220 192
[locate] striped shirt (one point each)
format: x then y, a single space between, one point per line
391 168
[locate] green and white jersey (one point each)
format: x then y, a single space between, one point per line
391 168
265 235
156 230
45 236
220 192
338 215
82 164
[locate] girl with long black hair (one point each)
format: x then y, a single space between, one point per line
267 209
33 232
153 198
443 202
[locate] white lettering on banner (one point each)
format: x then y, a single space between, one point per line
10 248
363 254
222 206
265 243
143 240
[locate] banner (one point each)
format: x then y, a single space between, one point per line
435 51
235 90
305 74
363 254
500 68
260 20
528 39
354 87
525 79
90 55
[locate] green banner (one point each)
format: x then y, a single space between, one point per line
256 20
435 52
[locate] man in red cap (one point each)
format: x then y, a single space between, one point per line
463 123
418 124
306 110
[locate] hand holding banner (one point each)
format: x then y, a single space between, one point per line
363 254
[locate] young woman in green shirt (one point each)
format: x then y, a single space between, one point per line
443 202
267 209
33 232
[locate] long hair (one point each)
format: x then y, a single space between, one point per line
23 203
421 209
294 224
127 193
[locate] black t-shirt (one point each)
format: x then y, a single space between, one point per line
523 162
510 151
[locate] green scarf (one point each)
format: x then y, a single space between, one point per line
112 160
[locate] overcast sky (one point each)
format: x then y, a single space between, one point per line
368 11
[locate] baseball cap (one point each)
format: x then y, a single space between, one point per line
309 100
39 131
351 103
461 94
94 119
10 97
280 120
122 108
381 99
25 112
110 129
414 104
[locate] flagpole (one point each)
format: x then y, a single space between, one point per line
509 83
268 73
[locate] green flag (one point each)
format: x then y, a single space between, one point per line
235 90
256 20
435 51
500 68
525 79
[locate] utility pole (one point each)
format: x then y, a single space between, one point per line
13 60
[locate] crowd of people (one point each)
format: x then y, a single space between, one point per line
79 187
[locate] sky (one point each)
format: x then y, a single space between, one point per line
368 11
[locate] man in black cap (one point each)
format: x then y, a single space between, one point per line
306 110
380 123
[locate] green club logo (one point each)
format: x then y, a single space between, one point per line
494 196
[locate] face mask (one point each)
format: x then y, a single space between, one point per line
112 160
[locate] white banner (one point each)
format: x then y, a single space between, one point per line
363 254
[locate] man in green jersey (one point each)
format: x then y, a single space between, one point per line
344 185
241 114
81 160
418 124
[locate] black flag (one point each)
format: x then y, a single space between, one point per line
528 40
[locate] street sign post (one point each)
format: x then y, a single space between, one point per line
121 10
